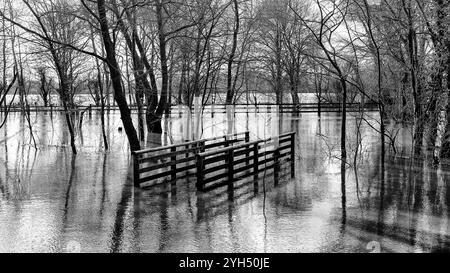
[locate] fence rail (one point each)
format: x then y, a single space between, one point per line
215 162
285 107
169 163
223 167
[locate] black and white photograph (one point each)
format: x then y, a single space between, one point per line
239 127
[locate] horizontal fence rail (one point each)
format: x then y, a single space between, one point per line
285 107
222 167
169 163
289 108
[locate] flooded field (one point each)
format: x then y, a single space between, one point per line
51 201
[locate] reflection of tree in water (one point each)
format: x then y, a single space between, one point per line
408 193
72 177
411 193
16 184
117 236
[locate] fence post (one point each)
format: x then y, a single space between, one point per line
293 155
230 168
186 147
187 155
255 165
173 167
226 141
136 170
202 146
276 167
200 170
247 140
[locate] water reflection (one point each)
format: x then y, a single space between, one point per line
49 198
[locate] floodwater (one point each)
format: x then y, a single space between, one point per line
87 99
51 201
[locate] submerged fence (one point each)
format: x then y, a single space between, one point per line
222 167
238 108
169 163
215 162
290 108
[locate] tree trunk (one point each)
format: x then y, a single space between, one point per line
154 119
278 72
344 120
230 89
113 66
63 95
99 93
294 94
445 151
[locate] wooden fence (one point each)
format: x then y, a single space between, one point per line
222 167
220 108
289 108
169 163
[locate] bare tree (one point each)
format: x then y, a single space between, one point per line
331 16
230 89
45 85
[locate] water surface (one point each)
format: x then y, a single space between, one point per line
51 200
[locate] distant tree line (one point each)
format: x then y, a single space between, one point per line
154 53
